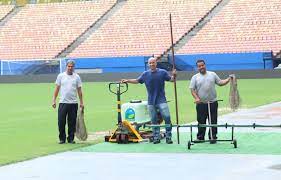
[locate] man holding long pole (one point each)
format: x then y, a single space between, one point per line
154 80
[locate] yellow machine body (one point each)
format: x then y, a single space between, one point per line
134 136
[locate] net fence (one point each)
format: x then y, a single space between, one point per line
27 67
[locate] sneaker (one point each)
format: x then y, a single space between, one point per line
169 141
199 141
71 142
61 142
214 138
156 141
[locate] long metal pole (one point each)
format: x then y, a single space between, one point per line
1 68
175 81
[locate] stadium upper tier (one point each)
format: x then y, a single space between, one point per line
141 27
5 9
43 30
241 26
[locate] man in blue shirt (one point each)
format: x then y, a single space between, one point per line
154 80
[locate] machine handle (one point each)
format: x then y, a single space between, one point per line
210 102
119 89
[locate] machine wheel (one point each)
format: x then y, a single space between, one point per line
106 138
124 138
235 143
188 144
118 138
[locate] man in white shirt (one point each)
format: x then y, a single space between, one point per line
69 85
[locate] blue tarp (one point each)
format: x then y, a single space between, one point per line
113 64
226 61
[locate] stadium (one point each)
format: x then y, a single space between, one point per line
110 40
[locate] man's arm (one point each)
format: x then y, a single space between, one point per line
80 94
224 81
132 81
195 96
57 89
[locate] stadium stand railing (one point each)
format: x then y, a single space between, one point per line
4 10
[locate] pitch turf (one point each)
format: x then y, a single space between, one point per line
28 126
248 143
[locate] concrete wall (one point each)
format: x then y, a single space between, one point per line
106 77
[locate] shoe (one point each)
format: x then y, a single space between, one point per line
214 138
61 142
199 141
169 141
213 141
156 141
71 142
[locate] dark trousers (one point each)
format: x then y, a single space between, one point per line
202 115
68 111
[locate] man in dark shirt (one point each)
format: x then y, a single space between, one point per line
154 80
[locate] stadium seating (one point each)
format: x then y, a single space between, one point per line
55 1
4 10
5 2
43 30
141 28
241 26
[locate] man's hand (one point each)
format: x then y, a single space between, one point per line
174 72
231 75
124 80
197 101
82 106
54 105
174 75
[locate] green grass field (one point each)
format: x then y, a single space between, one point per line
28 126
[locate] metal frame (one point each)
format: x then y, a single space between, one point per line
232 126
192 142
